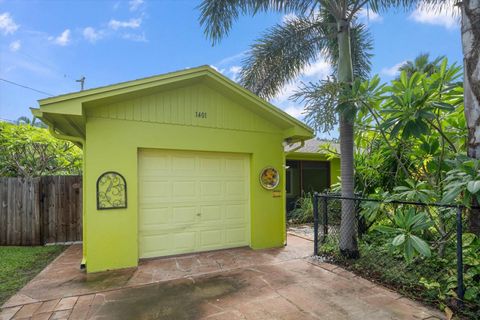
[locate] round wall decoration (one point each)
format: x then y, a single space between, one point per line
269 178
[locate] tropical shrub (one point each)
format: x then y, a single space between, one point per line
29 151
303 211
409 137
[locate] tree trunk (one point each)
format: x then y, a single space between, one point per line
348 230
471 86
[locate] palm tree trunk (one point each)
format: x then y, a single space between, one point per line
471 85
348 230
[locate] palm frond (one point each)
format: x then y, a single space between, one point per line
282 53
422 64
218 16
362 46
383 5
321 100
23 120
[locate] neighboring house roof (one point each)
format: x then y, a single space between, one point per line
66 113
313 146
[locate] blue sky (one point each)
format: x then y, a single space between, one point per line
47 45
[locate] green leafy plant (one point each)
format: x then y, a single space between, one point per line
303 211
463 182
408 225
29 151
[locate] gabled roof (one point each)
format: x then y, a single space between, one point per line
67 112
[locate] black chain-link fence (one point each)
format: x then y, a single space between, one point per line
419 249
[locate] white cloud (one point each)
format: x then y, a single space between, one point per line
232 59
133 5
295 111
320 69
91 34
7 25
135 37
63 39
15 45
287 91
369 16
393 70
447 17
131 24
234 72
217 69
235 69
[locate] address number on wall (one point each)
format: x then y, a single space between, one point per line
200 114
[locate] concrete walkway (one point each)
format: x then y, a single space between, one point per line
282 283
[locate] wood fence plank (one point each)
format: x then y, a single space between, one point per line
35 211
3 211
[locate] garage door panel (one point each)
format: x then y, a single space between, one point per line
211 190
182 164
235 212
156 216
184 189
210 214
155 189
235 190
211 238
235 236
182 215
199 201
154 164
184 241
208 166
155 245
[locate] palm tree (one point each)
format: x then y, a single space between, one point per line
321 27
422 64
34 122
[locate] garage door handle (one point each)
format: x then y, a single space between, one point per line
199 214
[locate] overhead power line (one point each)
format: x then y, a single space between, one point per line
27 87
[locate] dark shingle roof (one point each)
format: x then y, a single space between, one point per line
313 146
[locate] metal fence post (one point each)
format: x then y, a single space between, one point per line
315 223
325 218
460 288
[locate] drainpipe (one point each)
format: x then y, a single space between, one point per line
79 140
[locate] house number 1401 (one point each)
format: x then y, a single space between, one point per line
199 114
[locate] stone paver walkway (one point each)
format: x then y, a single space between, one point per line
282 283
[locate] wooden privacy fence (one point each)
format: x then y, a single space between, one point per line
36 211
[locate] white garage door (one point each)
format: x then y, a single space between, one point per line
192 201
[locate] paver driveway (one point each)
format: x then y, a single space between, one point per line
282 283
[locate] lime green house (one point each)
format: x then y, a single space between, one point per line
182 162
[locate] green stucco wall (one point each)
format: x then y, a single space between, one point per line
166 120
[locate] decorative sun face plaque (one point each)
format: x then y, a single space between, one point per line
269 178
111 191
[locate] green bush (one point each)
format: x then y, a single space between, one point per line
303 212
28 151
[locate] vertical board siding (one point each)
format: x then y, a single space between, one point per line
36 211
179 107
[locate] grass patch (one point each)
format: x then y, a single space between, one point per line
18 265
